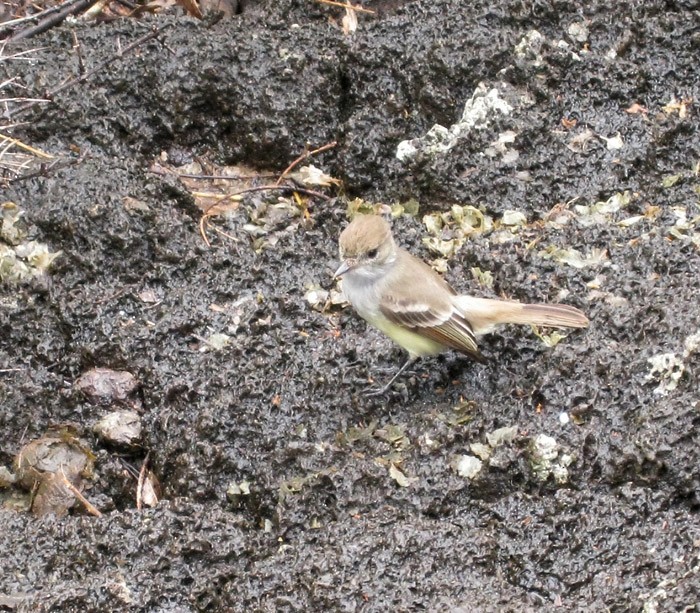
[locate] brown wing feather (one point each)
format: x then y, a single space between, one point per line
422 301
457 334
444 326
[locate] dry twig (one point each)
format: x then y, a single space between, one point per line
154 33
54 18
302 157
348 6
76 492
204 219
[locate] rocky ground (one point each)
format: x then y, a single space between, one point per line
282 486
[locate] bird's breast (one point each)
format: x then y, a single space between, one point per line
363 293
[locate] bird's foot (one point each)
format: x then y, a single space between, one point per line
380 391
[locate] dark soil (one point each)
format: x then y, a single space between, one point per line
324 526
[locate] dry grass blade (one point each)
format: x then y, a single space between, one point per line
348 6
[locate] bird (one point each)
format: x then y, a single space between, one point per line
409 302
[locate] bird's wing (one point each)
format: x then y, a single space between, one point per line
427 309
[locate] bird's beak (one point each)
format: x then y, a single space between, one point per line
344 267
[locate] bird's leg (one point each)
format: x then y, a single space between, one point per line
379 391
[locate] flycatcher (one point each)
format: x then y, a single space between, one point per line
410 303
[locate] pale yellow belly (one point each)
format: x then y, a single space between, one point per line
415 344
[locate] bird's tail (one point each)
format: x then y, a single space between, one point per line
484 314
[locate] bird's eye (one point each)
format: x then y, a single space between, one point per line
372 253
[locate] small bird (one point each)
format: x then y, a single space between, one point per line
413 305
